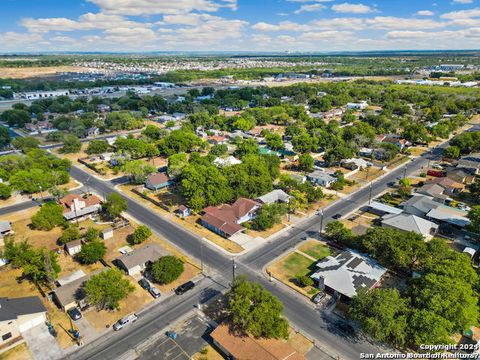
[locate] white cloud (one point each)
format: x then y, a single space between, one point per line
463 1
462 14
149 7
309 8
352 8
425 13
395 23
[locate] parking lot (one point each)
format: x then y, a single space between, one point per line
191 339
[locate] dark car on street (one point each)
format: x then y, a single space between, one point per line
74 313
337 216
184 288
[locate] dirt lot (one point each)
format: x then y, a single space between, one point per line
32 72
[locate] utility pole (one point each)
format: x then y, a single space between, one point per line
321 222
405 171
201 255
234 267
370 194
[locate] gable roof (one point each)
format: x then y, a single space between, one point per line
11 309
142 255
408 222
349 272
448 183
73 291
274 196
68 200
421 203
249 347
449 214
320 175
158 178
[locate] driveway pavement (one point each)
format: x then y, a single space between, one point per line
87 331
42 345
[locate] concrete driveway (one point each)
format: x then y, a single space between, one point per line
42 345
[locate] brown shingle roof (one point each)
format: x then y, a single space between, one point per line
158 178
250 348
142 255
91 200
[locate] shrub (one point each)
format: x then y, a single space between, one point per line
166 269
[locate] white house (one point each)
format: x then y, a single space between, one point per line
321 178
224 162
362 105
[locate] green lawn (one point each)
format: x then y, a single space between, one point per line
315 250
296 264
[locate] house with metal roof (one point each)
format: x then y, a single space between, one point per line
18 315
450 215
274 196
321 178
408 222
347 273
158 181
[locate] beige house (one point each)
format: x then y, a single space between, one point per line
18 315
71 294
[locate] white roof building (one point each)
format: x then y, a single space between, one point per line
407 222
224 162
275 196
348 273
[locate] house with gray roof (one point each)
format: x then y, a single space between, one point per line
137 260
449 215
433 190
408 222
419 205
347 273
275 196
18 315
321 178
5 228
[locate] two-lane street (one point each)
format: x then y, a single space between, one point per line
298 310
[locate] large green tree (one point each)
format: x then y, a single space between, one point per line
114 205
49 216
106 289
166 269
138 170
92 252
256 311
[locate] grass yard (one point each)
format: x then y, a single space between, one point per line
289 267
315 249
208 353
269 232
19 352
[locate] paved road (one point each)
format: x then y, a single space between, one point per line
300 312
151 321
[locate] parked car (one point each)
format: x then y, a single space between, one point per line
154 292
391 183
144 284
317 299
74 313
120 324
184 288
337 216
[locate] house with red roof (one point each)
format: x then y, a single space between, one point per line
226 219
78 206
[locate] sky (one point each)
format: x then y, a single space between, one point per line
238 25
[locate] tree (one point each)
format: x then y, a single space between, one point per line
5 191
425 327
114 205
382 314
474 217
4 136
71 145
71 233
97 147
25 143
269 215
274 141
38 265
219 149
304 280
138 170
452 152
166 269
92 234
338 232
92 252
254 310
306 162
49 216
246 147
140 234
474 188
106 289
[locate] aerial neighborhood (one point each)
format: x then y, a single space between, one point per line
225 210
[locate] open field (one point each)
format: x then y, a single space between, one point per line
32 72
